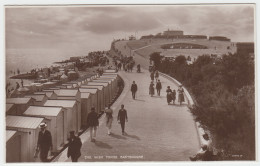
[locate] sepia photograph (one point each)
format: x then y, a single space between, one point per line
130 83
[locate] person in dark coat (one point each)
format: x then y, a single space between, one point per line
122 118
92 122
169 95
151 89
133 89
158 87
156 75
44 143
74 146
173 96
138 68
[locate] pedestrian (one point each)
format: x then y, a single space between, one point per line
169 95
17 85
22 82
152 76
158 87
133 89
180 94
74 146
44 143
92 122
156 75
138 68
122 118
119 66
151 89
109 119
173 96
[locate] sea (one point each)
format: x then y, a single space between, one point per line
27 59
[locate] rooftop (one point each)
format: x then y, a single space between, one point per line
23 122
43 111
24 100
60 103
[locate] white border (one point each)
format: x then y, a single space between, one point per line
82 2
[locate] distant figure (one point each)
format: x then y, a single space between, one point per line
152 76
158 87
92 122
74 146
119 66
156 75
138 68
169 94
22 82
17 85
151 89
44 143
133 89
109 119
173 96
181 95
122 118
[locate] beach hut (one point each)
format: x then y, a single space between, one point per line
30 127
94 98
56 117
21 104
109 74
64 78
56 90
111 81
102 96
85 107
107 92
14 140
110 86
10 109
38 86
70 107
50 95
72 94
39 99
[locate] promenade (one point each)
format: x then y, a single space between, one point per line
155 130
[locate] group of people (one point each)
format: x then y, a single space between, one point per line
44 143
171 95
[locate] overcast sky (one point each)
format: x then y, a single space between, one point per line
93 28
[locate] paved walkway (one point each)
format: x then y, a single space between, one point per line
155 130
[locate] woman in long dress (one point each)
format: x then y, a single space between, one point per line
151 89
109 119
169 94
181 95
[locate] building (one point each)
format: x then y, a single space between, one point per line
173 33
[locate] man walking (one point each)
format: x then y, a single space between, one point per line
92 122
122 118
133 89
44 143
74 147
158 87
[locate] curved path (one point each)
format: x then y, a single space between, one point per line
155 131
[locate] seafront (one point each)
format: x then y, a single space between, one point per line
155 130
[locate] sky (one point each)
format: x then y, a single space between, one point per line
92 28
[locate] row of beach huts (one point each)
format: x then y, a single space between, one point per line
63 107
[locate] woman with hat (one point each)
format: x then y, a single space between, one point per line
109 119
151 89
181 95
92 122
44 143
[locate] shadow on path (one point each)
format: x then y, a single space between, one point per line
140 100
132 136
102 145
117 136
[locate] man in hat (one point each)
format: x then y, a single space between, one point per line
133 89
92 122
44 143
74 147
158 87
122 118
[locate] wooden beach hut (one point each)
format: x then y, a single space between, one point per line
102 96
72 94
106 89
51 95
21 105
110 86
85 107
39 99
113 84
29 126
10 109
94 98
55 90
70 111
14 150
56 117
